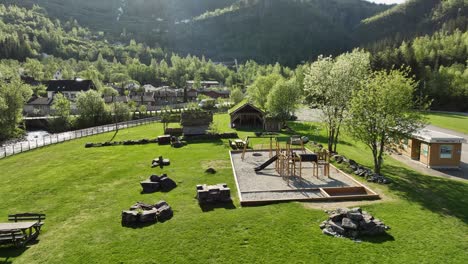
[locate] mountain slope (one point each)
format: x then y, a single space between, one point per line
144 20
413 18
287 31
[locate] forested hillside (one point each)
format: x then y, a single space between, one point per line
412 19
429 36
287 31
147 21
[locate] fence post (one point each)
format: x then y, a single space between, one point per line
13 146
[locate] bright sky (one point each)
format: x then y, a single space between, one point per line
387 1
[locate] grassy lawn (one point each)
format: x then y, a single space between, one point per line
456 122
83 191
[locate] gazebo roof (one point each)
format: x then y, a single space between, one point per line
243 105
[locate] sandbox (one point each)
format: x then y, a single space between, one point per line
267 186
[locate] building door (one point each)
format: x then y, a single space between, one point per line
416 148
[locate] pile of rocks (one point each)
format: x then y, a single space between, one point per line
158 183
141 213
213 193
352 223
160 162
362 171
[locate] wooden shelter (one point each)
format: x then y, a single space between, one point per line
246 116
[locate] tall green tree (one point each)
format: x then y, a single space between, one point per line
236 95
382 111
62 110
61 107
259 90
91 108
329 84
13 95
283 99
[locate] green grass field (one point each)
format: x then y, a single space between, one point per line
83 191
456 122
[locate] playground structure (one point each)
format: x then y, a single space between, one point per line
289 159
259 182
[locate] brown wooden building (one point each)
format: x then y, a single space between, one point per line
434 149
249 116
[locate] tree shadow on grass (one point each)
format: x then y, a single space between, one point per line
115 134
442 196
7 252
377 239
214 141
211 206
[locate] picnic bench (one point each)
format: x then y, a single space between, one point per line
21 229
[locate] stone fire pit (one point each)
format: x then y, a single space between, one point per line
352 223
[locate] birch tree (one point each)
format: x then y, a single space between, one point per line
329 84
382 111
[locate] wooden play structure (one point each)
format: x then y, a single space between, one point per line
289 157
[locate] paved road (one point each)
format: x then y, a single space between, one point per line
306 114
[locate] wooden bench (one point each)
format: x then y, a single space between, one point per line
39 218
27 217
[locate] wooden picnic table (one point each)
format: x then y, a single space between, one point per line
17 225
30 230
239 143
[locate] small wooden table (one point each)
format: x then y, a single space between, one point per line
29 229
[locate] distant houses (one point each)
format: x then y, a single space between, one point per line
69 88
40 106
146 95
203 84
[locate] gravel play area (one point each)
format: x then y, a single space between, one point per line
267 185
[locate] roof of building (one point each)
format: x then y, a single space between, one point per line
431 136
243 104
40 101
69 85
204 82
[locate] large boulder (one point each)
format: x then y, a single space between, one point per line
167 184
129 218
150 186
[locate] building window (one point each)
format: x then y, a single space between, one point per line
446 151
424 148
